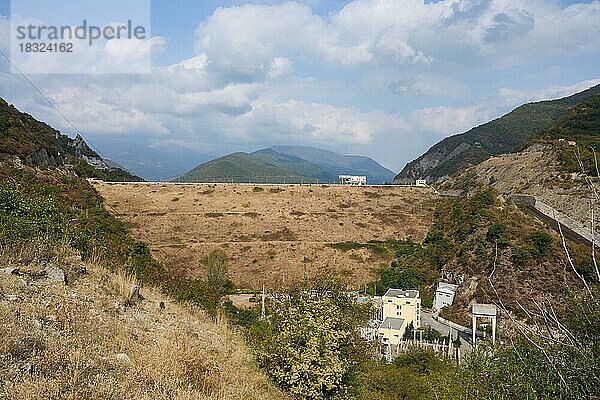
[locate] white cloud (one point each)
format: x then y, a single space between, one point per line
392 43
447 121
513 32
280 66
245 39
80 56
514 97
507 25
96 109
302 122
113 56
432 84
4 33
244 43
464 11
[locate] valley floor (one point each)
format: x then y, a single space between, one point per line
271 234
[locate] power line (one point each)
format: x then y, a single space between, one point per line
54 107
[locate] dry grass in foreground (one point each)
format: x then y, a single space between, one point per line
86 340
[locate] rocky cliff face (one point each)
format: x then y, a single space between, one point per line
31 142
435 165
41 157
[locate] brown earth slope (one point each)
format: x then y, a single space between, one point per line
536 171
273 233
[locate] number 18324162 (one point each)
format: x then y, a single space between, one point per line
46 47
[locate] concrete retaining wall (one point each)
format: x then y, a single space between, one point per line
564 220
584 233
523 199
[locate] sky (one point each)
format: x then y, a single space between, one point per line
382 78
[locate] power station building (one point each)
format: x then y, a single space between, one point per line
444 295
400 309
353 180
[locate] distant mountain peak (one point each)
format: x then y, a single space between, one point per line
287 164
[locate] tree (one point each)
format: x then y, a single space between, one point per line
542 243
310 344
409 332
216 270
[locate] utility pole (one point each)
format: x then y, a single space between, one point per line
262 311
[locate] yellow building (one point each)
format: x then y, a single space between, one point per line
400 309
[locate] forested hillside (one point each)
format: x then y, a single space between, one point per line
506 134
240 168
581 125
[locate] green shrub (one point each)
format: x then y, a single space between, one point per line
310 344
398 279
194 291
25 218
521 256
216 271
60 210
241 317
541 367
421 360
542 243
418 374
496 232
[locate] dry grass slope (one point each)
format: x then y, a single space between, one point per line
271 235
85 341
537 172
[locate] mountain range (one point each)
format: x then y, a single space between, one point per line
287 164
36 143
506 134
